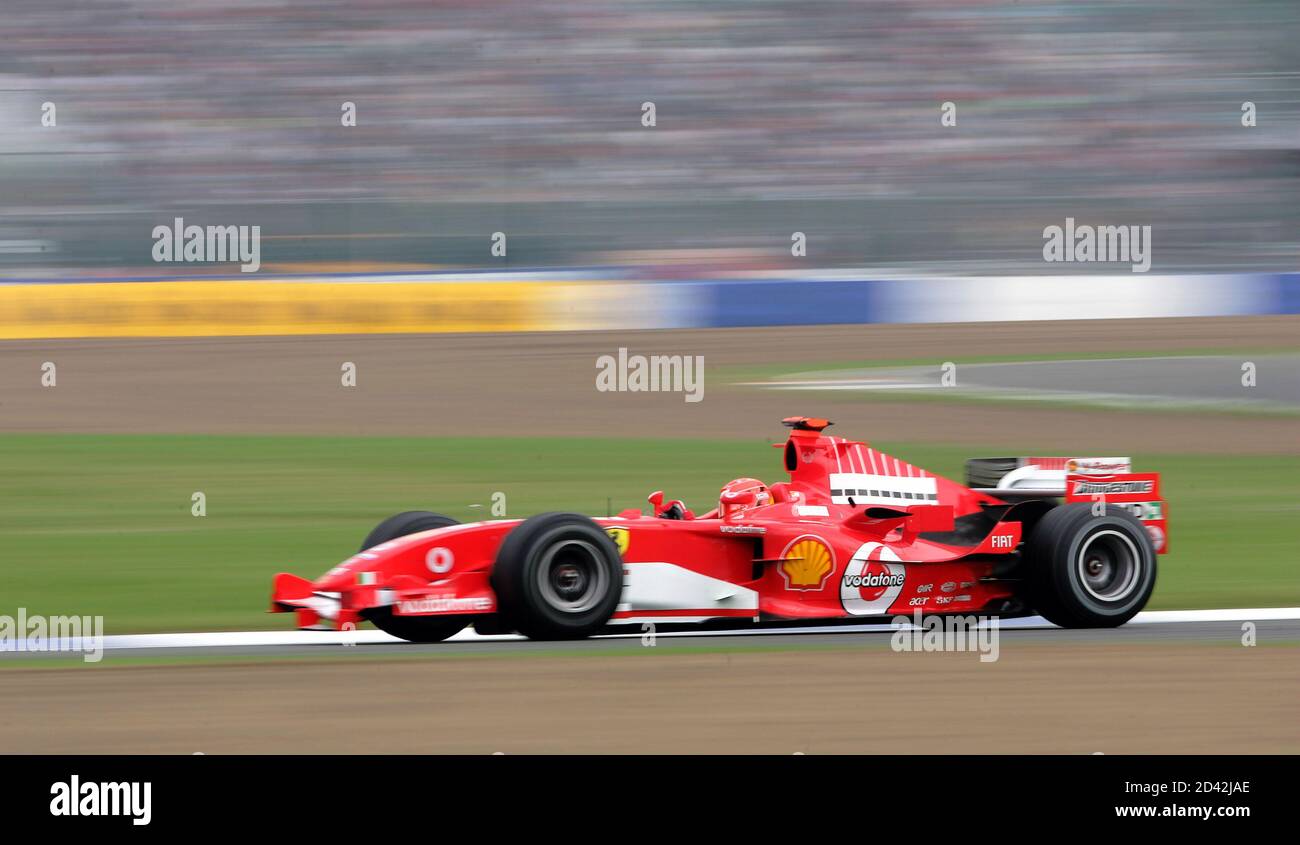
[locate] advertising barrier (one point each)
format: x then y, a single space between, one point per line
399 304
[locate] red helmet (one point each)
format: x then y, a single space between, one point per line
742 494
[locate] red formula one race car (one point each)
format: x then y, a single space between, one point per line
853 533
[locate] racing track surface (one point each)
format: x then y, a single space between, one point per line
1220 633
1275 624
1192 380
1176 687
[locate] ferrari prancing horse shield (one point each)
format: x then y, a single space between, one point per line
621 537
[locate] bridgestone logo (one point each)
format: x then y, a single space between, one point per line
874 580
1092 488
444 605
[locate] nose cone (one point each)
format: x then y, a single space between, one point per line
357 571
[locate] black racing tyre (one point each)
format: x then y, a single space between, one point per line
1088 571
557 576
407 522
417 629
987 472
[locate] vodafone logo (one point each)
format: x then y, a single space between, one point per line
872 580
876 579
439 560
443 604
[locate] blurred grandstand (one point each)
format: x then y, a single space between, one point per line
525 117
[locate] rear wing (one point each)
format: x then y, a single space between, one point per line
1108 481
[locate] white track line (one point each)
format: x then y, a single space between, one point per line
235 639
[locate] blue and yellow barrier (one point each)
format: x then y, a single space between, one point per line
403 304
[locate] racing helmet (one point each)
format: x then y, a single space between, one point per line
735 496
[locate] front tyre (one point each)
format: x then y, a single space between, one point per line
1088 571
557 576
407 522
417 629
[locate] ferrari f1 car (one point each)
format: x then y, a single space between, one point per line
853 533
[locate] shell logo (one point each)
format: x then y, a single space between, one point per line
807 563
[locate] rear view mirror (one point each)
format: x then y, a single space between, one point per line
912 520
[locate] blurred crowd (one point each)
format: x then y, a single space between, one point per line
770 117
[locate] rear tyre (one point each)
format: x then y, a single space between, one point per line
987 472
417 629
557 576
1087 571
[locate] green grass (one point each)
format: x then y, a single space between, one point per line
101 524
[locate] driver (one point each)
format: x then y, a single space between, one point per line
735 499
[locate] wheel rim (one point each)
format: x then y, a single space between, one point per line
1108 565
571 576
